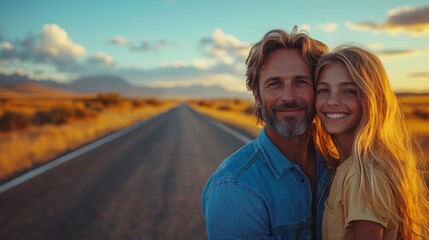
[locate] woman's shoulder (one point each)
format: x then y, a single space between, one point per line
347 169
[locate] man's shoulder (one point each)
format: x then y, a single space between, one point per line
235 163
239 172
234 166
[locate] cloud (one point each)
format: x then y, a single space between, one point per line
146 45
328 27
199 64
6 46
402 53
56 43
226 55
203 64
412 19
225 48
363 26
7 51
120 41
176 64
419 74
408 19
52 46
101 58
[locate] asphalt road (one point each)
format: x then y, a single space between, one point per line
145 184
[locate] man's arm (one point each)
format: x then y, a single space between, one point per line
232 211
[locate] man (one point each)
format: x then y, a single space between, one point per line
274 187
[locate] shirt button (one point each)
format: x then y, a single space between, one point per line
302 180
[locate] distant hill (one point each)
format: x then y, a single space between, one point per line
21 86
33 88
30 90
97 84
409 94
13 79
200 91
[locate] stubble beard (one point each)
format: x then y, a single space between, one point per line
288 126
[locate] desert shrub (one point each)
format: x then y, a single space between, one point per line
109 99
94 104
12 121
250 110
80 113
236 101
225 107
58 116
137 103
421 114
203 103
153 102
40 118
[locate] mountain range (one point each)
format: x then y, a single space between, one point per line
16 83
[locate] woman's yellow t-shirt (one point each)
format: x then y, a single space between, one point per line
343 207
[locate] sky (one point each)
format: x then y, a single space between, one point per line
166 43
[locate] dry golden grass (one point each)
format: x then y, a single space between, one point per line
237 113
20 150
417 110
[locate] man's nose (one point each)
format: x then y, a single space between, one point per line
288 94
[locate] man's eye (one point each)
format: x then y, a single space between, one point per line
300 82
274 84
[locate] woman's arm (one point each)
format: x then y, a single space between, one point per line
367 230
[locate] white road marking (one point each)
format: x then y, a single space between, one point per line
230 130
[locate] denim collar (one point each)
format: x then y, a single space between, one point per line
278 163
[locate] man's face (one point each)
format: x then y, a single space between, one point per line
286 93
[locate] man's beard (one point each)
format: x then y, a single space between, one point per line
289 127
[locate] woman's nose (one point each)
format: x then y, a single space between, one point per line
333 99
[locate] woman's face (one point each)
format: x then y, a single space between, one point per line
337 102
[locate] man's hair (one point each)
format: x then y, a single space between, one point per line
311 50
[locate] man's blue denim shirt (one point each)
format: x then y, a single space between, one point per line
257 193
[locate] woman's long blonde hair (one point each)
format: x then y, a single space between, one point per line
383 142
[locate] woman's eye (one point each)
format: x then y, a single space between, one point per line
349 91
321 91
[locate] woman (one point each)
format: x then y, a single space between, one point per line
378 191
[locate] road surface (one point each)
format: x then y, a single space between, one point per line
145 184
